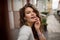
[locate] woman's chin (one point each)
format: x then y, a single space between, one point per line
34 21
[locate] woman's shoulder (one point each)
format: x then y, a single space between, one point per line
25 29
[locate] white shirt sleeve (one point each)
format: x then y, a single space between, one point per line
24 34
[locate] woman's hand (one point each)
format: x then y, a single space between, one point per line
37 24
37 27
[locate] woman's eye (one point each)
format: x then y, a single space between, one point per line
28 12
34 11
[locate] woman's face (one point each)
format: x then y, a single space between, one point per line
30 15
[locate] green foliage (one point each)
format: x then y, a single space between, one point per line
44 21
44 13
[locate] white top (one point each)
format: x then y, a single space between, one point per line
25 33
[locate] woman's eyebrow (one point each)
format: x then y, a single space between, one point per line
28 11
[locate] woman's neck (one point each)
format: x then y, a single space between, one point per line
29 24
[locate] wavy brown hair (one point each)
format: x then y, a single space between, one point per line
22 21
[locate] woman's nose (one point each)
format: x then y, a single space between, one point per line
33 13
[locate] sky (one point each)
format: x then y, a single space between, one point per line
55 4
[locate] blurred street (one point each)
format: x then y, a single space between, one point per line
49 36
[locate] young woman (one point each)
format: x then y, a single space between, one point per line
30 23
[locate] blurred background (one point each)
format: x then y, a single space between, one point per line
49 11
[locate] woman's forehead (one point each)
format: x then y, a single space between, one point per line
28 9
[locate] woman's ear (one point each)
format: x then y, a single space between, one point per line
24 18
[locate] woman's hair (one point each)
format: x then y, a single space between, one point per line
22 21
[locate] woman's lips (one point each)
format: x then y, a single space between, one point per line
33 17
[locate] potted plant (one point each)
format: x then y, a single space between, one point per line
44 13
44 24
